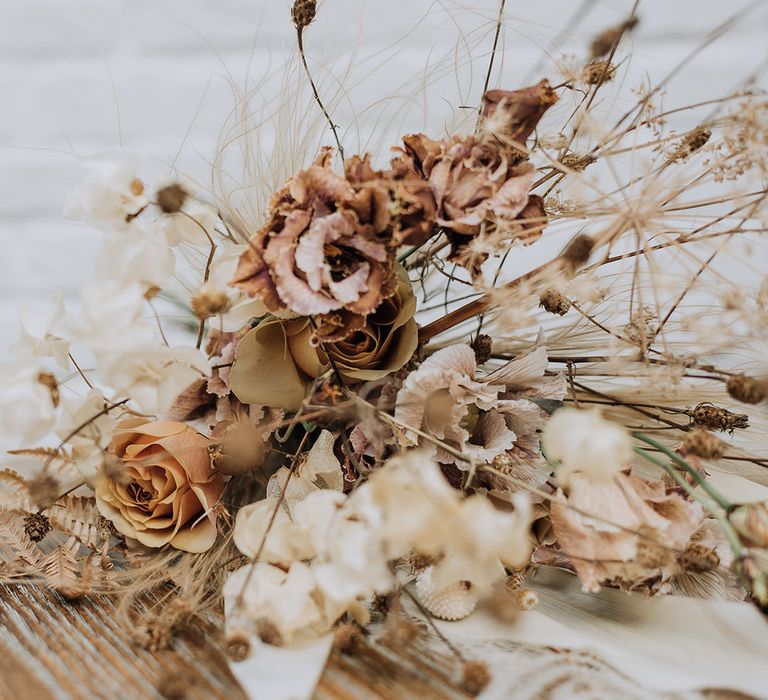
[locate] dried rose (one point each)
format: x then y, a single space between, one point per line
324 248
164 488
276 361
512 115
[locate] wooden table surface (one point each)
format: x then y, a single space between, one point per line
76 650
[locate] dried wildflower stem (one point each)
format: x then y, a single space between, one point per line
718 498
430 620
496 36
315 93
80 427
80 371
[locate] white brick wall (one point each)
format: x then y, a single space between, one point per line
68 66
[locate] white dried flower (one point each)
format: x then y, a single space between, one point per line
27 412
42 332
110 196
584 442
88 445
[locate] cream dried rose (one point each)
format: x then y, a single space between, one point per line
277 361
165 488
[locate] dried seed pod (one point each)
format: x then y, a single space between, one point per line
690 143
751 522
171 198
50 383
346 637
745 389
527 599
554 302
37 526
482 346
597 71
475 676
577 162
303 13
453 602
713 417
238 647
577 252
702 443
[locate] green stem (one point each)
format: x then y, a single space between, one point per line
723 502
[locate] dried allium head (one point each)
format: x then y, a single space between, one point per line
303 13
747 390
554 302
171 198
713 417
475 676
702 443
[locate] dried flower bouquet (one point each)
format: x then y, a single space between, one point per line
376 400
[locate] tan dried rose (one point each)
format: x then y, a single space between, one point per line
164 488
324 248
512 115
277 361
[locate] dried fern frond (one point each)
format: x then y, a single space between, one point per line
78 517
15 541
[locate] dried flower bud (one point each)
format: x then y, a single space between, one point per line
175 685
151 292
209 302
702 443
745 389
475 676
690 143
577 252
698 558
238 647
527 599
514 582
751 522
268 632
171 198
713 417
482 347
577 162
598 71
554 302
50 383
604 42
303 13
43 490
37 526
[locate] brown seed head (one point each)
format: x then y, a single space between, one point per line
50 383
37 526
346 637
209 302
604 42
577 252
713 417
597 71
702 443
745 389
171 198
690 143
475 676
482 347
303 13
554 302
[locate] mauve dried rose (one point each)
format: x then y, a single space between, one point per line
514 114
